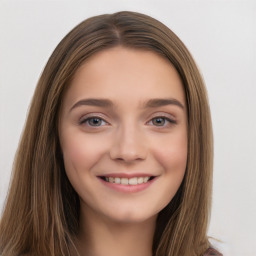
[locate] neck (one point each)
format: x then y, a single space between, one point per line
104 237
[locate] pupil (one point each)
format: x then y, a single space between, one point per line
95 121
159 121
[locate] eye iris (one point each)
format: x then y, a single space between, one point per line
159 121
95 121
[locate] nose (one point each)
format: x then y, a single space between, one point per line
129 145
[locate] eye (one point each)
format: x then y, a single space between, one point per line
93 121
159 121
162 121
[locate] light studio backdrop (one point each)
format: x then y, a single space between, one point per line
221 36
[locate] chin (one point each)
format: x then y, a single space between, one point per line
131 217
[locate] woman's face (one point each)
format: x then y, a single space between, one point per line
123 133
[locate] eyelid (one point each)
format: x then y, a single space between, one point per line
164 115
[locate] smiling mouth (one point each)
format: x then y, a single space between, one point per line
128 181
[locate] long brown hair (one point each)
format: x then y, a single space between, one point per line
42 209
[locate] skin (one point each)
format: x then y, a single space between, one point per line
125 138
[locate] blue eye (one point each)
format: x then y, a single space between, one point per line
93 121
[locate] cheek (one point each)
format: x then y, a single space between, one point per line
172 157
80 153
173 153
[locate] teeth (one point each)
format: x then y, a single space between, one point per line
140 180
111 179
133 181
126 181
145 179
117 180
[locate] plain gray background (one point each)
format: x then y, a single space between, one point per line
221 37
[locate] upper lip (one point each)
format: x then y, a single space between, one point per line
126 175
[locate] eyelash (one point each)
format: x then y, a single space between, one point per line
166 119
85 121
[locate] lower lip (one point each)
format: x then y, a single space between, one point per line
128 188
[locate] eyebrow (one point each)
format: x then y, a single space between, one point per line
105 103
94 102
153 103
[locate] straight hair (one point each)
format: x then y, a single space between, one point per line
41 214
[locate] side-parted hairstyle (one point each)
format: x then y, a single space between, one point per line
41 214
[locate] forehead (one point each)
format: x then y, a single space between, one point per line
127 75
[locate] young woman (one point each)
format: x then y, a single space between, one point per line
116 155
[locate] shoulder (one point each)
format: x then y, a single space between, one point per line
212 252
